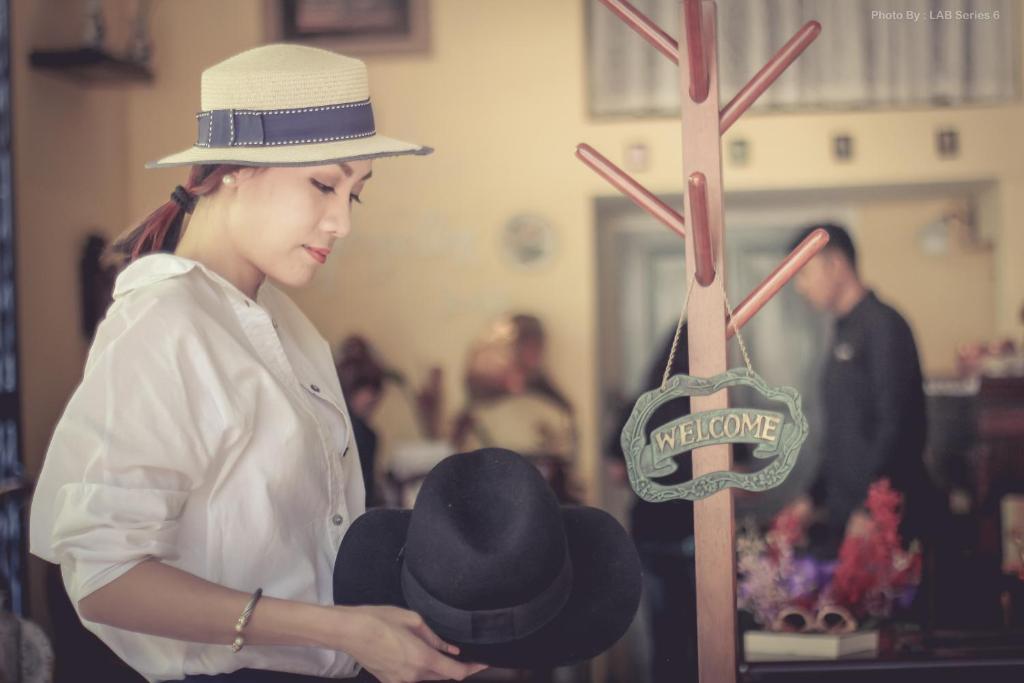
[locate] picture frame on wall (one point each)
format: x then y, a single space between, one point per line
352 27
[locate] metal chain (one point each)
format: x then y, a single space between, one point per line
679 328
739 337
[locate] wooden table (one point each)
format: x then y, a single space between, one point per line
939 657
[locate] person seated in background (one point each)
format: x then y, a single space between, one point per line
875 423
512 402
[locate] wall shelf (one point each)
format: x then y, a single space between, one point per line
90 66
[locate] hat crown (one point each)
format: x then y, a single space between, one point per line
283 76
488 514
286 105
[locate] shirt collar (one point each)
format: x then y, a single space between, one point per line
156 267
856 311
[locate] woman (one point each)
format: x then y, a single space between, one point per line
513 403
201 478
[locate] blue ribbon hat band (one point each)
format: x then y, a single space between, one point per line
270 127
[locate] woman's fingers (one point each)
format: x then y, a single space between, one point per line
434 640
449 668
426 656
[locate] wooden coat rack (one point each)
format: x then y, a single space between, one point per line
703 125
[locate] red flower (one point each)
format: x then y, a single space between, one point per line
872 567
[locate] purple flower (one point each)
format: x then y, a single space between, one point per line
803 577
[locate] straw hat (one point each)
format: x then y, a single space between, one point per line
286 105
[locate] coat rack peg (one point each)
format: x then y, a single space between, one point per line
651 32
775 67
698 192
696 49
771 285
625 184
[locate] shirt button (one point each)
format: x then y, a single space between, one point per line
314 388
337 519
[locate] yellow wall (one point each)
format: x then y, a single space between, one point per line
501 96
947 297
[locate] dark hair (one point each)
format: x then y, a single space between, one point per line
838 239
161 230
528 328
357 367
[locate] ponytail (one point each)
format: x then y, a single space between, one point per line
161 230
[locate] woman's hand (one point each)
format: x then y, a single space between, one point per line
799 512
392 644
860 524
396 646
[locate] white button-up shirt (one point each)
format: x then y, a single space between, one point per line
209 432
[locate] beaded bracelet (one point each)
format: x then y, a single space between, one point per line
244 619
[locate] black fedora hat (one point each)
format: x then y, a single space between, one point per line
494 565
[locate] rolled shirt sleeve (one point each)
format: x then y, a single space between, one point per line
136 437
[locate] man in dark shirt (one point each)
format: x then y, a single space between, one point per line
874 399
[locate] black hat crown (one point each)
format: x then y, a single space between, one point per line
486 514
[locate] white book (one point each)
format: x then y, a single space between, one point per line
772 645
1012 508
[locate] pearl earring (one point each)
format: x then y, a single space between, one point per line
228 179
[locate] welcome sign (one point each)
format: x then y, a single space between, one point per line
775 436
718 426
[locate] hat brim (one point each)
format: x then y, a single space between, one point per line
293 155
603 602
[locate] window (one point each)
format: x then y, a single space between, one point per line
870 54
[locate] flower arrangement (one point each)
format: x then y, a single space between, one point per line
783 587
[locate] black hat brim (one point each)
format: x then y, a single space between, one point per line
604 598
